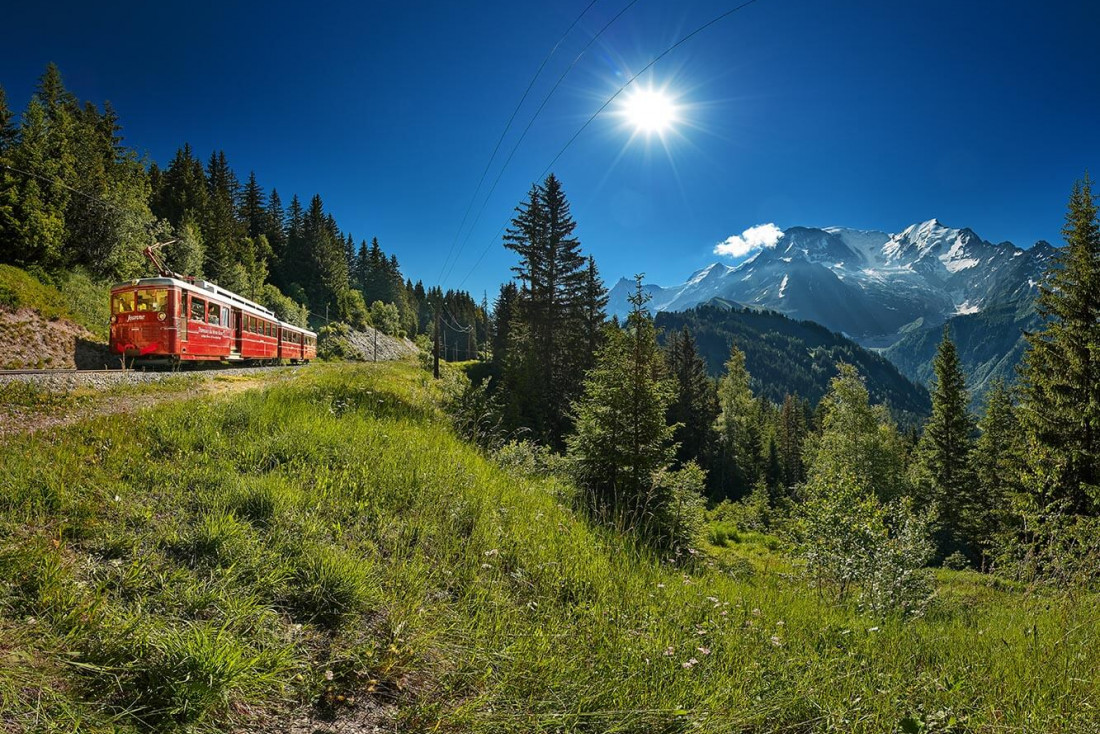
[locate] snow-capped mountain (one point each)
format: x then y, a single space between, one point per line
870 285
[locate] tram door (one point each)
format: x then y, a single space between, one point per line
237 325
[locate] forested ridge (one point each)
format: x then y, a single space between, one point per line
797 357
74 197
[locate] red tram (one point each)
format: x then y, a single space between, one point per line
173 320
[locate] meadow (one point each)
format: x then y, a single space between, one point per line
327 549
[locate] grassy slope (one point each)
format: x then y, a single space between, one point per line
157 571
75 297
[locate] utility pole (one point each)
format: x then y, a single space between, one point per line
435 361
376 344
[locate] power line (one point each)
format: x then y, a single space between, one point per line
531 122
63 185
605 105
504 132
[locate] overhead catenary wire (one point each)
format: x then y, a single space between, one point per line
531 122
604 106
62 184
504 132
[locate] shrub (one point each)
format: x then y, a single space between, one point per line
673 511
385 317
9 299
855 546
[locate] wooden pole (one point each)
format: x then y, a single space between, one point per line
435 361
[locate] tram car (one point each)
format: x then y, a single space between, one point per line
173 320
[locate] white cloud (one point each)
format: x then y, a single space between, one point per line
752 239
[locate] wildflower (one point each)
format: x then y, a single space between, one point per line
670 651
712 599
328 675
704 650
492 552
689 664
486 565
776 641
660 586
779 623
872 629
756 612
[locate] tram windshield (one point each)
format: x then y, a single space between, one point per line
141 299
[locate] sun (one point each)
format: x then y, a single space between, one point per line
650 111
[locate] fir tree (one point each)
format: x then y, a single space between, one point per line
738 430
695 407
942 473
1060 410
791 435
275 229
253 213
622 443
549 342
996 461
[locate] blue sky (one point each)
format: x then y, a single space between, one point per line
860 113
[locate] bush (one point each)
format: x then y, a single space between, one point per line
857 547
673 511
385 317
8 298
353 309
477 415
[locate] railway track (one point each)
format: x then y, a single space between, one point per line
14 373
119 371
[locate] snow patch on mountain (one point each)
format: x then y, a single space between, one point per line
865 283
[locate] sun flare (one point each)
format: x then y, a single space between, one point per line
650 111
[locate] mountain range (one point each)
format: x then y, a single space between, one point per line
886 291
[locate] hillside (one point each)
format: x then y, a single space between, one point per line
325 555
990 345
797 357
44 325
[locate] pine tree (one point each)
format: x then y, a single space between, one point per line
222 230
328 273
791 435
182 191
8 133
593 315
942 473
40 212
10 227
622 443
996 462
549 346
275 230
252 211
695 408
1060 410
738 430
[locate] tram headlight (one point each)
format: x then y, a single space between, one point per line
161 316
114 318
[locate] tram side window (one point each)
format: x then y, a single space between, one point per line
198 309
214 315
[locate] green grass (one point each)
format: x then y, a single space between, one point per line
75 297
327 544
